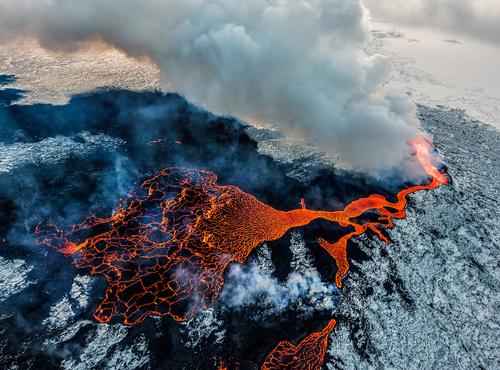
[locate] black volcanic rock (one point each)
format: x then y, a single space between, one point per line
437 279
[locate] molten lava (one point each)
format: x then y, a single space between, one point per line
386 209
165 249
308 354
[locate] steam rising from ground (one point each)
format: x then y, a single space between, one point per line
255 283
295 64
478 18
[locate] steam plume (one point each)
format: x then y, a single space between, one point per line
297 64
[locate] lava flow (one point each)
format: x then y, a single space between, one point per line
165 249
307 355
386 209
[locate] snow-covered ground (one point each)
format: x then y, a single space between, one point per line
430 299
53 77
441 68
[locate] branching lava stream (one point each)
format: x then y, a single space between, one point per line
166 247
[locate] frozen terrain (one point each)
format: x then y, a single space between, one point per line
52 77
441 68
430 299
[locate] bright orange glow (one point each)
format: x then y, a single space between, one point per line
308 354
386 209
165 249
423 149
167 246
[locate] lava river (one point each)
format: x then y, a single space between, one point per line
167 245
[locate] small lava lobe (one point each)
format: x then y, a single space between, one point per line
308 354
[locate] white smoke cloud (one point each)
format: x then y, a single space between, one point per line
478 18
248 285
254 283
297 64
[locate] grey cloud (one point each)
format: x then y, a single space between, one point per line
298 65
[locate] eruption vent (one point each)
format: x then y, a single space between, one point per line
167 246
387 210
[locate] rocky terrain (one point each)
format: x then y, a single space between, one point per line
430 299
427 300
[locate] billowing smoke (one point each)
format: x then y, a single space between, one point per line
296 64
255 283
249 285
478 18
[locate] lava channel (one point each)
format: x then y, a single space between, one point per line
166 247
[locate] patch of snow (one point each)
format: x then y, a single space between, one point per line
53 150
49 76
129 357
13 277
97 347
203 326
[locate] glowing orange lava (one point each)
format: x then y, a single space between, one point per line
310 353
386 209
165 249
307 355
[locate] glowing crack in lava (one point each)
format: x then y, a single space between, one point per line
166 247
308 354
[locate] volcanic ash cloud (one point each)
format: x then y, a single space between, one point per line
298 65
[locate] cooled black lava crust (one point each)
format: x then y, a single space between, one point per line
155 130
